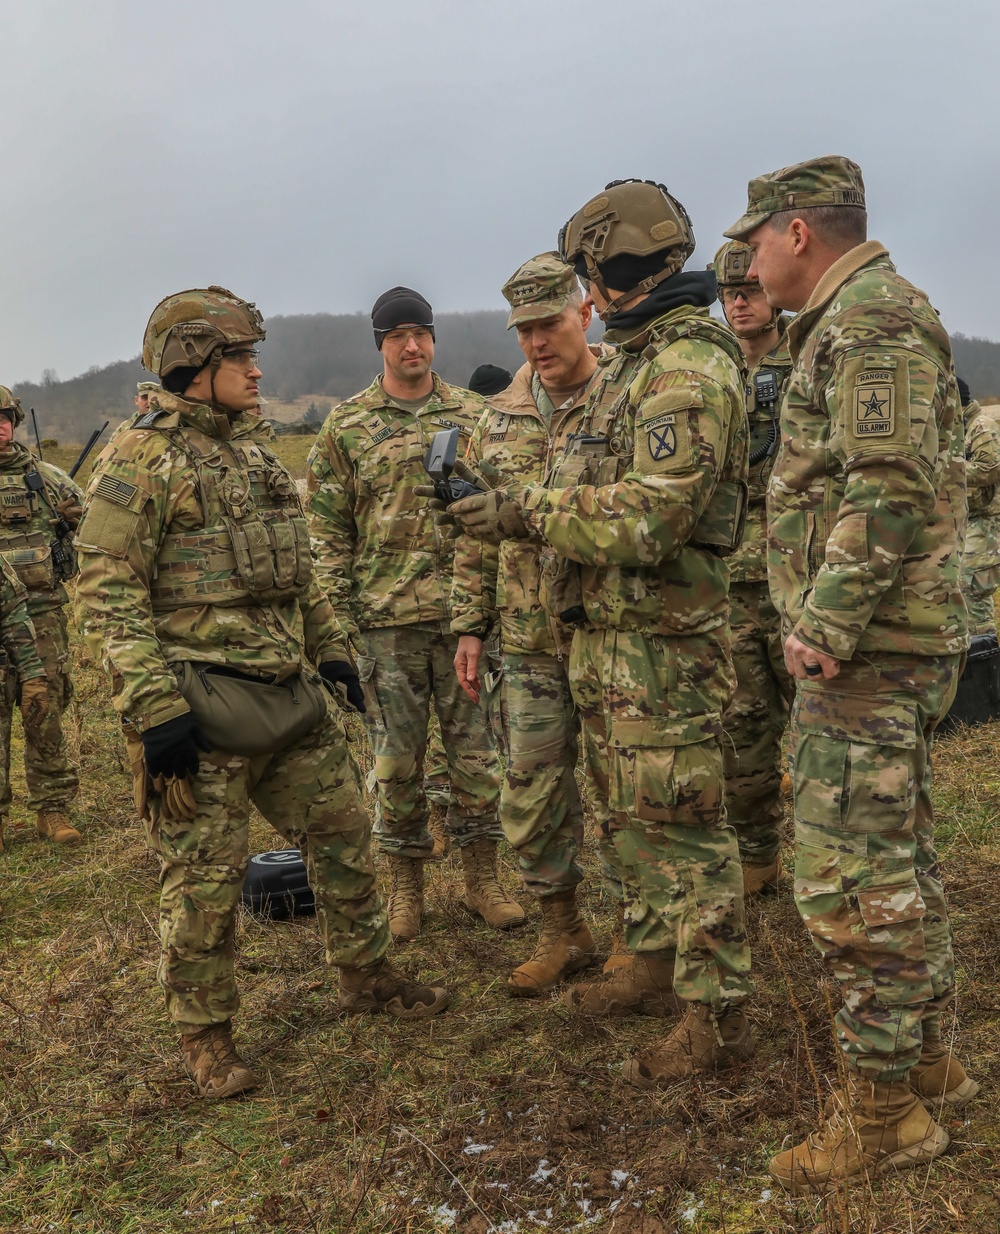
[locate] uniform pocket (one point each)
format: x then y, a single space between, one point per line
374 716
854 761
662 773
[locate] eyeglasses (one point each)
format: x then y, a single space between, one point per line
399 338
749 291
246 358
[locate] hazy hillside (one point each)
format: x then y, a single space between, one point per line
333 356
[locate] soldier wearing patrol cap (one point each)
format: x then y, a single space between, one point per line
865 517
387 568
642 506
756 719
143 389
198 594
496 596
39 509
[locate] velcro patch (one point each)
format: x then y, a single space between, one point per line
120 492
874 403
661 438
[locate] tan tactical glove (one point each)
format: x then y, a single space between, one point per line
493 516
34 703
71 510
177 803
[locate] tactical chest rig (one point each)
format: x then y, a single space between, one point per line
603 452
25 533
254 545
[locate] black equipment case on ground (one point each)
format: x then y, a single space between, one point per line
276 885
978 696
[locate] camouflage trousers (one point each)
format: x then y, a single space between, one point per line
652 706
867 880
404 668
310 794
50 775
755 721
437 786
540 807
978 587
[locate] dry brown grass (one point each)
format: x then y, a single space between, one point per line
499 1116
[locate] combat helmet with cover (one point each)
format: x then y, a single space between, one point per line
635 232
190 329
731 264
10 406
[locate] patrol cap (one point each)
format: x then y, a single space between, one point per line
147 387
828 181
541 288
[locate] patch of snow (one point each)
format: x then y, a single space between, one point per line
543 1173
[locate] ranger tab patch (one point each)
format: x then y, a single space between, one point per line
874 403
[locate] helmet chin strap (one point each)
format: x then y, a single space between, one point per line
615 304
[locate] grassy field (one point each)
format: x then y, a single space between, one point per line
502 1115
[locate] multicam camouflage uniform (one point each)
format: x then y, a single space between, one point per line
26 536
756 719
518 435
386 568
650 670
865 514
981 552
165 579
18 656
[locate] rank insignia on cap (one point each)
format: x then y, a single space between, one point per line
662 441
874 403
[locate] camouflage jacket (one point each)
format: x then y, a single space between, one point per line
866 504
982 475
380 556
193 547
16 631
26 531
512 436
645 524
749 563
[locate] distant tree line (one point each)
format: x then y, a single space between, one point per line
334 356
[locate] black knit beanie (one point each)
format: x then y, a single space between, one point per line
400 306
489 379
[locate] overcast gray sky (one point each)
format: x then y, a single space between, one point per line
309 155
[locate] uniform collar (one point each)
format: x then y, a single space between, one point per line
833 279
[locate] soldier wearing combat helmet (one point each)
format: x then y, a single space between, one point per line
643 505
865 518
755 720
39 509
197 592
496 595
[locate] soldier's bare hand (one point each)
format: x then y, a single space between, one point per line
470 650
805 662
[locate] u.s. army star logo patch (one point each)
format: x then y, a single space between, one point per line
874 403
662 442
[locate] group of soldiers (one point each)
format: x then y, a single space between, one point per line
675 545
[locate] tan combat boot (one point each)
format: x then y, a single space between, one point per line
55 826
702 1041
871 1129
212 1062
644 987
406 897
939 1079
380 987
620 956
564 945
787 788
436 826
761 880
483 892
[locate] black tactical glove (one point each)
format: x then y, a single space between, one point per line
334 671
171 748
